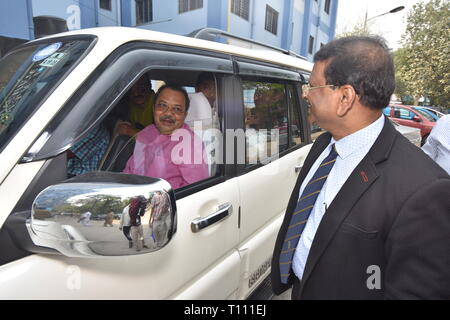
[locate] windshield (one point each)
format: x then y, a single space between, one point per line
428 116
28 75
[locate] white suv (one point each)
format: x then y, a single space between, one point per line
215 237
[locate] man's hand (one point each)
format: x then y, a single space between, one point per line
70 154
125 128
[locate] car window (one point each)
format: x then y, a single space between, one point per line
426 115
83 119
402 113
112 145
295 116
406 114
28 74
266 119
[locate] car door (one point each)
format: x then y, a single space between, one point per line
405 117
196 264
276 143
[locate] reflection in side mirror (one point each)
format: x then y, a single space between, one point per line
416 119
104 218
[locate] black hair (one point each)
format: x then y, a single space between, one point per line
365 63
205 77
174 88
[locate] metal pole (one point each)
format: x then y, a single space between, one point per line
365 23
391 11
397 9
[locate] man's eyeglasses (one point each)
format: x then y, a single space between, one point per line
307 87
163 107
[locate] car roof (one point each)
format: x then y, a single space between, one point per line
117 36
431 109
401 105
428 111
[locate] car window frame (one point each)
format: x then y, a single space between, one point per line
153 49
303 122
243 169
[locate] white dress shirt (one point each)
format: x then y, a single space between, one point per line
351 150
199 110
438 143
204 120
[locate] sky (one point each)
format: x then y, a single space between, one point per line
390 26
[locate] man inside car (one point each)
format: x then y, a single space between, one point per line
159 153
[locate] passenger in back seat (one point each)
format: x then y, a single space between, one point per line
135 111
203 103
132 114
203 118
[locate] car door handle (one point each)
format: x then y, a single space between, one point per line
298 168
224 211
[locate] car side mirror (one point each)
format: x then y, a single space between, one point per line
104 214
417 119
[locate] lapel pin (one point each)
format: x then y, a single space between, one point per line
364 176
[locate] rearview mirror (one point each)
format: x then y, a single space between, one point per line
104 214
416 119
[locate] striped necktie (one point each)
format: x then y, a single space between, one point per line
301 213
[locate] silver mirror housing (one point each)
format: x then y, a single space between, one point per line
104 214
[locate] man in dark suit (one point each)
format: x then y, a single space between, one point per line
369 217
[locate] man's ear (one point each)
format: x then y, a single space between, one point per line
347 97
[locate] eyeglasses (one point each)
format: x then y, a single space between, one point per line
307 87
163 107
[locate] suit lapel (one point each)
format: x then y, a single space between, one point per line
359 181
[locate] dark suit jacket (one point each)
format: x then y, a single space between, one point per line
393 212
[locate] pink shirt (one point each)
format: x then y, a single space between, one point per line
179 162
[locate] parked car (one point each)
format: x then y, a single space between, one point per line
441 109
213 239
410 117
424 110
412 134
438 113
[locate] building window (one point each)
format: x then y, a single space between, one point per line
189 5
144 11
311 44
240 8
105 4
327 6
271 20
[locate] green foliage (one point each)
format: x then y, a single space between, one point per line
402 88
423 65
95 204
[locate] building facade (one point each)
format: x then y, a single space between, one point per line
300 26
